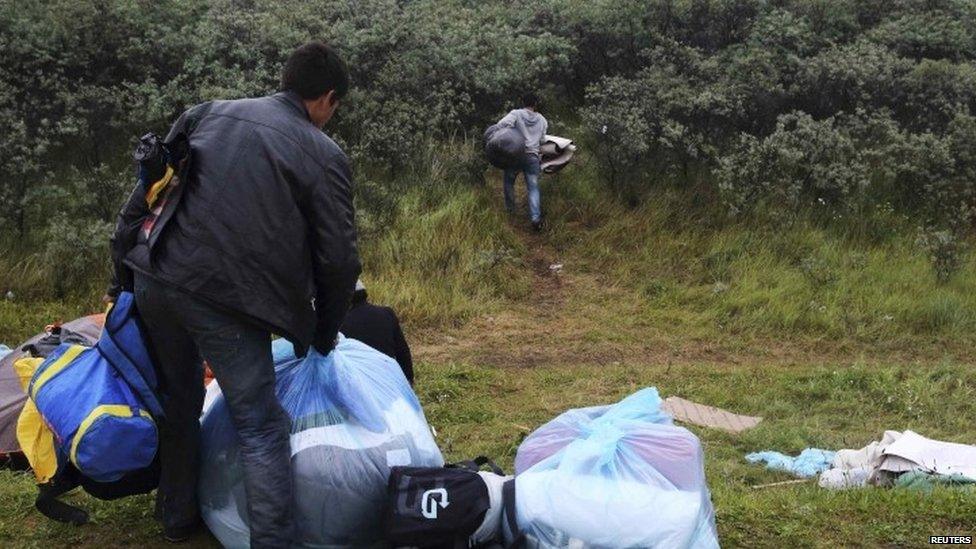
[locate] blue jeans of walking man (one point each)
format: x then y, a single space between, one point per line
532 170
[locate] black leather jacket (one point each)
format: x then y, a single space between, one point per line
264 224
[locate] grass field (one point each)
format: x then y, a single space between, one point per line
833 335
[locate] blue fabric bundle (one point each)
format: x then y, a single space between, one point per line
810 463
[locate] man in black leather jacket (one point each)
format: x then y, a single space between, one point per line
258 238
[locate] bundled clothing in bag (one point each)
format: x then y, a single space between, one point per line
504 146
556 153
615 476
452 507
531 125
354 417
504 149
516 136
100 401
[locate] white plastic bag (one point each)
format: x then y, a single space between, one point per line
353 417
620 476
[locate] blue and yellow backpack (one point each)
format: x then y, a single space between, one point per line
100 402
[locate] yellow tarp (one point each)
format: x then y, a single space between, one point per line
36 440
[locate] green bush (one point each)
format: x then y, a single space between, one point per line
944 251
75 254
933 92
932 34
803 160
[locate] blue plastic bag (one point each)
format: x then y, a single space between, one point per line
617 476
354 416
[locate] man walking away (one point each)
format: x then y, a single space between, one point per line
533 127
379 328
262 241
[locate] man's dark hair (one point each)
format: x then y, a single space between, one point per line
313 69
530 99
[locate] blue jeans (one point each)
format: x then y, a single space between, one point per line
532 170
184 330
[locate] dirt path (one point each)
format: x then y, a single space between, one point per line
548 278
519 334
571 317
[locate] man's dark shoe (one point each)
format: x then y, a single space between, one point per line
537 225
182 533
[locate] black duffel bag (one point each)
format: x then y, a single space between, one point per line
451 507
504 146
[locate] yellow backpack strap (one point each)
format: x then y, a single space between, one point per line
54 369
37 442
117 410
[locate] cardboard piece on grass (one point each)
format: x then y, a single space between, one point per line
913 452
708 416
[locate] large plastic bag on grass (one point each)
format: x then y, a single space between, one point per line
620 476
354 416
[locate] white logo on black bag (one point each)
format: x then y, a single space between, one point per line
430 501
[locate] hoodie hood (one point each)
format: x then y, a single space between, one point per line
531 124
529 118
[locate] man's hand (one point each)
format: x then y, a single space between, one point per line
324 346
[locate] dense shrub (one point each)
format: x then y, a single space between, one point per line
851 76
102 72
936 174
803 160
419 69
933 34
933 92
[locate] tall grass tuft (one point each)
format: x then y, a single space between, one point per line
447 255
434 245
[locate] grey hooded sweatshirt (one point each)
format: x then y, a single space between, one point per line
532 125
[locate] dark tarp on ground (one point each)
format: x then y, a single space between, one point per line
12 397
